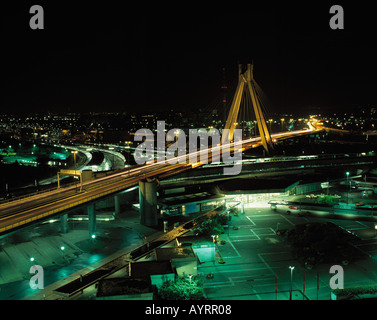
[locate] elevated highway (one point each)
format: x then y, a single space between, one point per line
19 213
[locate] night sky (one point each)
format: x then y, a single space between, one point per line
104 57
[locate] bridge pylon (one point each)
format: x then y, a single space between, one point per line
246 82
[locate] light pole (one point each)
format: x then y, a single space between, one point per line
347 174
32 260
290 290
62 248
214 248
74 156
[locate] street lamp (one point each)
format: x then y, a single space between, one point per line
347 174
74 156
270 122
214 247
62 248
290 291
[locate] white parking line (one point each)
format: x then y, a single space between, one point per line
260 232
245 237
248 218
287 220
266 264
234 248
255 234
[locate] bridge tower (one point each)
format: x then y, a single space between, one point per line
246 82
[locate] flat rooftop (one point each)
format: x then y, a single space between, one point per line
144 269
174 253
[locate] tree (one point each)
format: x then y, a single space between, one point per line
327 200
183 288
213 226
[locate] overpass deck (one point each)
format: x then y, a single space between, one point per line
24 212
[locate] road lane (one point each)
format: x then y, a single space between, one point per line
38 207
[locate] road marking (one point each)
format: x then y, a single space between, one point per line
252 280
242 226
262 215
287 219
244 238
232 281
252 222
368 227
266 264
269 231
255 233
234 248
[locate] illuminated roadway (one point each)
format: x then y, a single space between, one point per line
21 212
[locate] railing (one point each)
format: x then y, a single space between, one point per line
29 195
61 208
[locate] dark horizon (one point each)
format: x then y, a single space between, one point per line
103 58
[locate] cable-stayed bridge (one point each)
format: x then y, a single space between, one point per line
18 213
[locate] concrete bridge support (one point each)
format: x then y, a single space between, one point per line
148 203
64 223
92 219
116 204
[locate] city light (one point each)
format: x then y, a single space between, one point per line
290 291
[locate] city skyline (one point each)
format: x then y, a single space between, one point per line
101 58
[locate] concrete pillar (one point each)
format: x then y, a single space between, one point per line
64 223
92 219
148 203
117 204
